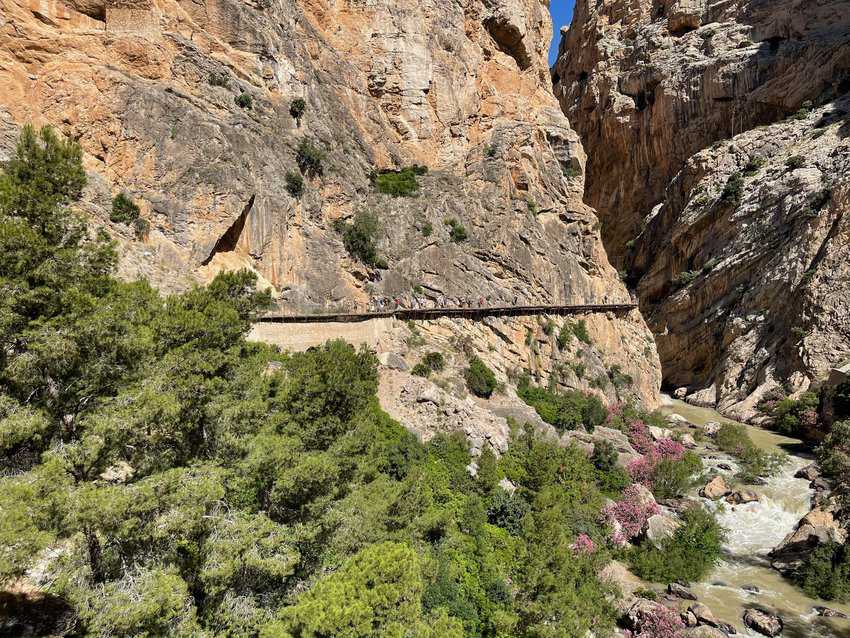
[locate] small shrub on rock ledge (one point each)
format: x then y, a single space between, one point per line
359 238
297 108
401 183
124 210
457 232
480 379
244 101
294 184
309 158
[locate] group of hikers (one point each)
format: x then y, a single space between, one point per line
417 302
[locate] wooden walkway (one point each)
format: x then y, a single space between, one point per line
426 314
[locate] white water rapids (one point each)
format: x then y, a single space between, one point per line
744 578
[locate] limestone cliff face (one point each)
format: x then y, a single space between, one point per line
150 87
718 143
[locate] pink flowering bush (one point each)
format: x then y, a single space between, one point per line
628 516
670 449
659 623
639 437
583 545
642 469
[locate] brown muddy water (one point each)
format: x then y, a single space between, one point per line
744 577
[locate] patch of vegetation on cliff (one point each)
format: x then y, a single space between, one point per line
564 410
794 417
457 231
401 183
310 158
480 379
360 238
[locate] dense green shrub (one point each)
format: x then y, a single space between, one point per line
401 183
612 479
297 107
421 370
124 210
457 232
427 229
834 453
360 238
564 410
753 165
480 379
244 100
672 478
795 161
733 189
793 416
755 463
294 183
309 158
435 361
687 556
825 572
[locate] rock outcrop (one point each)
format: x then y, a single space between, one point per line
193 109
816 528
719 156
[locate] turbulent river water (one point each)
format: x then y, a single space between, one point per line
744 578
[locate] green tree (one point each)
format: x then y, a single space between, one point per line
377 593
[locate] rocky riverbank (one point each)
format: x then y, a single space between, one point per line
769 526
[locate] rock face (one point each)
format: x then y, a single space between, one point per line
719 155
155 94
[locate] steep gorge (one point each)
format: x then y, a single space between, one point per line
718 141
154 92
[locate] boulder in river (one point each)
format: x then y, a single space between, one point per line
764 623
711 428
826 612
680 591
739 497
703 631
810 472
716 488
703 613
814 529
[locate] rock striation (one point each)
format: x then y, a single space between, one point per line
191 109
719 155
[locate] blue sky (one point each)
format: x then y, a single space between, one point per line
562 13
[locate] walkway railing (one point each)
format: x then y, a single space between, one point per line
425 314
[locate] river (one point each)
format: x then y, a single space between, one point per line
753 530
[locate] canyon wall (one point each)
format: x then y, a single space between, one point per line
186 105
719 155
